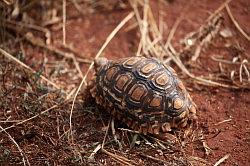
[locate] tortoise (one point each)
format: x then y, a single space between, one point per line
145 94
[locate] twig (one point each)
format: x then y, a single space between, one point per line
9 121
224 61
71 48
26 120
196 40
222 6
202 139
114 135
38 42
242 65
106 133
197 161
77 6
131 131
132 144
18 147
8 2
46 32
227 120
207 149
206 33
139 20
199 80
35 41
120 159
91 157
64 22
172 31
138 53
144 25
176 24
236 23
27 67
109 38
197 51
222 160
155 31
155 159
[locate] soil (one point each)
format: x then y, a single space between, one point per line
223 113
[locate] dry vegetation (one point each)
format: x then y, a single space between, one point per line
42 77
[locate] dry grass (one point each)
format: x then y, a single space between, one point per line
39 107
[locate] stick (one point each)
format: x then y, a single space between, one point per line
120 159
27 67
155 159
91 157
198 79
221 160
106 133
26 120
227 120
218 10
46 32
18 147
236 23
114 135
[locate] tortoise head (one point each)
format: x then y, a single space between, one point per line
99 62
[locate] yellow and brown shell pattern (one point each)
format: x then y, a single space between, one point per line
143 93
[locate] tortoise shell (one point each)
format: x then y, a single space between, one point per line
144 93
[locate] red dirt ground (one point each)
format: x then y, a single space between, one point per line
215 104
88 33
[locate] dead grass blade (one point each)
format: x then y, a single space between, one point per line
122 160
196 161
196 40
106 133
155 159
91 157
217 11
13 24
26 120
222 160
27 67
224 121
37 42
24 158
199 80
243 66
172 31
236 23
8 2
114 134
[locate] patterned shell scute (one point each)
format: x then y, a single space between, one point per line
143 90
